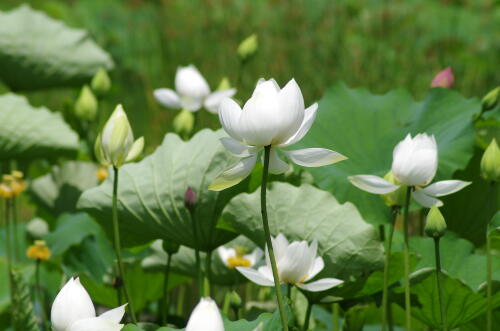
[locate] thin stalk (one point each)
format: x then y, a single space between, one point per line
289 292
385 294
489 287
164 305
406 220
14 229
335 317
118 249
199 272
208 274
181 296
41 297
438 282
267 232
308 315
8 243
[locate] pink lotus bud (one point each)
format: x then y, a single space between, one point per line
190 198
444 79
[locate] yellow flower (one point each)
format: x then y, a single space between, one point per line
38 251
6 191
102 174
13 185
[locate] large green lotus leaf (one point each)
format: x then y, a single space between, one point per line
366 128
59 190
151 193
27 132
348 245
184 262
38 52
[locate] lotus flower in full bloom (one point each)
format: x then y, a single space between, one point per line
191 92
271 117
236 257
205 317
414 164
297 264
73 310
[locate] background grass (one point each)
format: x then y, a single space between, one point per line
378 44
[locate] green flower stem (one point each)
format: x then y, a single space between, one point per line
8 243
385 294
335 317
15 246
406 220
208 274
118 250
267 232
308 315
489 287
438 282
164 305
199 271
41 297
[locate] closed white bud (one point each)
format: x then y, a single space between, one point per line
205 317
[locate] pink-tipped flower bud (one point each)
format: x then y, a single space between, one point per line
444 79
190 199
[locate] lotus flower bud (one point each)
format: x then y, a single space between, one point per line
235 299
435 225
444 79
37 228
224 84
170 247
184 123
115 145
101 83
86 105
248 47
190 199
396 198
490 100
490 163
205 317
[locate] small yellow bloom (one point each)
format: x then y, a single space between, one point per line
38 251
13 185
102 174
6 191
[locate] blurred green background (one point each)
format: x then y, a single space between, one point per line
381 45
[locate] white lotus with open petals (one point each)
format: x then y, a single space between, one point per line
191 92
271 117
297 264
234 257
73 310
414 164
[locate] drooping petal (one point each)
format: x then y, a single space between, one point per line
318 265
291 111
444 187
426 200
167 98
276 165
255 276
372 184
309 117
71 304
320 285
234 175
238 149
314 157
213 101
229 116
205 316
95 324
114 315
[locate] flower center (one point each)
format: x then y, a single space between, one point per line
238 261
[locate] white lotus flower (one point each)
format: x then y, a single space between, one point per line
205 317
414 163
272 116
234 257
73 310
297 263
192 92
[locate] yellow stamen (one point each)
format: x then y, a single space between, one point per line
6 191
238 261
38 251
102 174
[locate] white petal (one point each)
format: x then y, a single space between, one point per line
272 81
318 265
238 149
293 267
229 116
291 111
372 184
71 304
255 276
320 285
213 101
167 98
276 165
114 315
190 83
426 200
190 103
205 316
280 244
309 117
225 253
445 187
136 150
95 324
255 256
314 157
234 175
